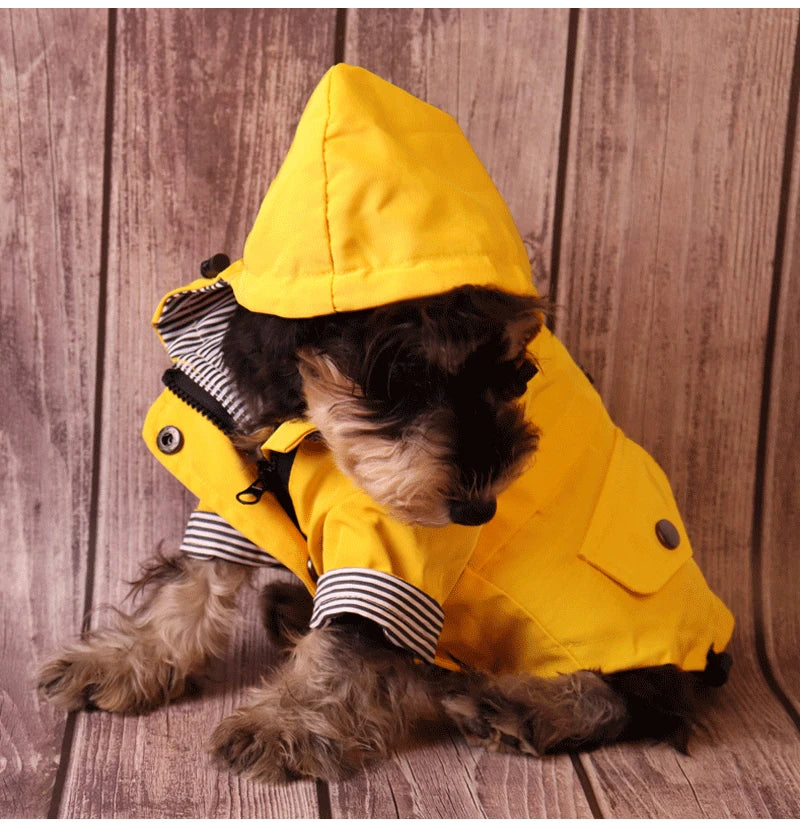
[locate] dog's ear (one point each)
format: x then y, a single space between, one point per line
457 325
260 352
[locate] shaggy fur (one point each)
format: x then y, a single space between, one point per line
146 658
419 403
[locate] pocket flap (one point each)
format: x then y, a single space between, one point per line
636 535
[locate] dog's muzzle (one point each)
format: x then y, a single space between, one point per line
472 513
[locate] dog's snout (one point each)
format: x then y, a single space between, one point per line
472 513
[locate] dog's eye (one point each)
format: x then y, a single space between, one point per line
510 379
526 372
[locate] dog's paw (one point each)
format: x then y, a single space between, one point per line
115 677
275 749
493 722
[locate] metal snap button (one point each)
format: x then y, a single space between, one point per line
169 440
667 534
312 572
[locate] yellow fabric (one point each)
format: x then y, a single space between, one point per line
288 436
213 470
380 199
569 573
346 529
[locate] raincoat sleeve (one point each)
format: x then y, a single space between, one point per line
396 575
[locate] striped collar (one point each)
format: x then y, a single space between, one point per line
191 323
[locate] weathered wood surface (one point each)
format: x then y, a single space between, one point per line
674 183
450 779
204 109
52 94
780 534
204 106
671 236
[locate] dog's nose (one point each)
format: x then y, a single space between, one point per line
472 513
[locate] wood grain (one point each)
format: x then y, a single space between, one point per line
672 200
205 107
780 568
743 763
500 73
52 95
450 779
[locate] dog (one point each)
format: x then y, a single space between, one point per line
422 449
345 695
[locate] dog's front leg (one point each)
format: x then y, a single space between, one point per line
144 659
342 698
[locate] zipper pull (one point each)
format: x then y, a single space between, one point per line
265 482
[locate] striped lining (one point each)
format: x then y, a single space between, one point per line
209 536
409 617
192 325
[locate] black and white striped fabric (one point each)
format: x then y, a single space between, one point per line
409 618
208 536
192 326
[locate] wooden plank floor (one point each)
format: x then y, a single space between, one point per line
651 160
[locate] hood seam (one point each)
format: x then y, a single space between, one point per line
325 187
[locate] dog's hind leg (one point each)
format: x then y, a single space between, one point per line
579 710
533 715
146 658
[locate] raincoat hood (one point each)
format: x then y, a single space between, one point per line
380 198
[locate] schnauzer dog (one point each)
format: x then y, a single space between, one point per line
419 402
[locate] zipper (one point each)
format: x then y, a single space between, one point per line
271 481
198 398
265 482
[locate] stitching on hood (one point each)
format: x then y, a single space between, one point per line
448 257
325 187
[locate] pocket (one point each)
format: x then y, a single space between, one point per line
636 535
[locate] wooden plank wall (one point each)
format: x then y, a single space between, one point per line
197 166
680 148
650 159
51 172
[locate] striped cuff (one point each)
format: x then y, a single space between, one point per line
209 536
409 617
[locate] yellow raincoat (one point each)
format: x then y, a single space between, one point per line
585 565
